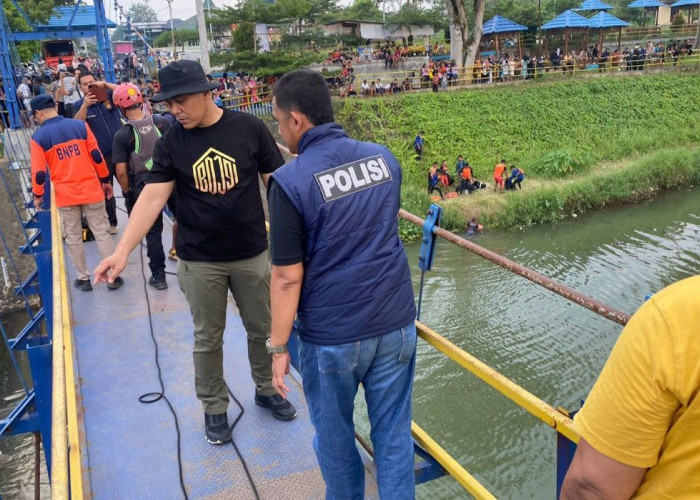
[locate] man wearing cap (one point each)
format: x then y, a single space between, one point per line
212 159
78 173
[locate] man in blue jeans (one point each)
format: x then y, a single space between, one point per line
339 264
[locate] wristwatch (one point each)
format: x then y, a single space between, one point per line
275 349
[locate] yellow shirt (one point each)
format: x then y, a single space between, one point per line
644 410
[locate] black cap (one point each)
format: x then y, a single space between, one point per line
182 77
42 101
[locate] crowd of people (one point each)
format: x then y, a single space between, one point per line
63 83
439 75
463 181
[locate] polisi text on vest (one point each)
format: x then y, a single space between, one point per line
352 177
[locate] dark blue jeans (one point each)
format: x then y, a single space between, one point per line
332 373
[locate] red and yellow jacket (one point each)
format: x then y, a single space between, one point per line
69 150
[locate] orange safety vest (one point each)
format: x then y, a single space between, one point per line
499 169
467 173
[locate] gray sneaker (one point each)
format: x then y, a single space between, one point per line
216 428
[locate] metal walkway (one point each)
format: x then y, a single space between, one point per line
129 449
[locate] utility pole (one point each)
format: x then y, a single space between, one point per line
203 41
172 31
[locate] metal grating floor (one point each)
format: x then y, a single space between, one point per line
130 448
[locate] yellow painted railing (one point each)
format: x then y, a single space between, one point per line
66 470
528 401
59 431
450 464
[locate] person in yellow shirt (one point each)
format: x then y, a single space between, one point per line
640 427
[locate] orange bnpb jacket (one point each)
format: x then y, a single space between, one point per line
69 150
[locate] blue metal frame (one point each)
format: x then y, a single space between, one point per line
429 468
565 455
7 40
52 35
103 44
33 412
8 72
427 247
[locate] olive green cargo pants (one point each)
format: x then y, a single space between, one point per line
206 286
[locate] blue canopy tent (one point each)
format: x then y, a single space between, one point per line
602 21
566 21
593 6
648 5
498 25
690 4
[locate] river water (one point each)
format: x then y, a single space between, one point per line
553 348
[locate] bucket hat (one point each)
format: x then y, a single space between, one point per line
182 77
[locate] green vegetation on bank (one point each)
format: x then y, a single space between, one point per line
568 137
629 181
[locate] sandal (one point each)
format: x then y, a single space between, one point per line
172 255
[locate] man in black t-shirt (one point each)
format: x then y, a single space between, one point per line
212 159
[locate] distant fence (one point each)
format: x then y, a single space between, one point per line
412 80
254 103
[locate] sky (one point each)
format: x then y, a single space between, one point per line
182 9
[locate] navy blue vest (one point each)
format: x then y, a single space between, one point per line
357 282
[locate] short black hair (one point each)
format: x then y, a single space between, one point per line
83 75
305 91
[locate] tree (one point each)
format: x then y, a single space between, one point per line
249 11
414 15
465 44
182 37
244 37
37 11
363 10
142 13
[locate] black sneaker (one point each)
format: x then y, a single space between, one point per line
83 285
117 283
158 282
280 408
216 428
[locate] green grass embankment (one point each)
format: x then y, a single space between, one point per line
582 143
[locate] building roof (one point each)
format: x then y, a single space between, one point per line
594 5
646 4
567 19
605 20
84 18
686 3
498 24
